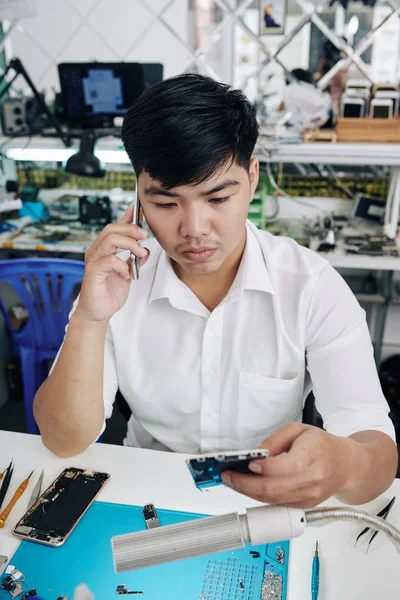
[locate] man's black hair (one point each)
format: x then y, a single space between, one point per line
182 130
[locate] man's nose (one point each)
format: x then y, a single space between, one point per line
195 223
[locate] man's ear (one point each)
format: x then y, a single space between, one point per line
254 173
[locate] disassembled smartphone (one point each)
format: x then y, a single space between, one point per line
135 221
60 508
206 469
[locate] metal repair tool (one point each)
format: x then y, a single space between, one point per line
315 574
6 482
36 491
7 469
20 490
383 514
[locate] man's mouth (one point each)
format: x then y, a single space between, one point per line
198 254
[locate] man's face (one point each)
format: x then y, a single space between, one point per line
199 226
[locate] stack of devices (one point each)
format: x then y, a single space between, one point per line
360 100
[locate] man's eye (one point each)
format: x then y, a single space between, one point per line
219 200
168 205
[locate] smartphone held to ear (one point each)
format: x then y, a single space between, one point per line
135 221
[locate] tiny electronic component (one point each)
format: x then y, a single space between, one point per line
13 583
150 517
121 589
206 470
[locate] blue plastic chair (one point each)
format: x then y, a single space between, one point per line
46 287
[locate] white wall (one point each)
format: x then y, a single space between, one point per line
108 30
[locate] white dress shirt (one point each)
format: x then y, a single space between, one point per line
201 381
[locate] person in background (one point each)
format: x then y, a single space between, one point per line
336 86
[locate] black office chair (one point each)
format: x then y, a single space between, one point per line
310 414
123 406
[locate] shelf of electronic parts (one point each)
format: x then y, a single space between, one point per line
330 153
340 260
109 149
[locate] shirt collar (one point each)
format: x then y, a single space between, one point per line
252 275
166 284
257 276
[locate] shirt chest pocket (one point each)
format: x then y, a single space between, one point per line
266 403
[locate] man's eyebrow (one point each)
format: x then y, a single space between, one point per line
154 190
221 186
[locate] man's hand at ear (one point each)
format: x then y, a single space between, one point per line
306 465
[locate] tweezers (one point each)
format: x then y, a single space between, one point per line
36 490
6 482
383 514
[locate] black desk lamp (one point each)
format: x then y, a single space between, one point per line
85 162
16 65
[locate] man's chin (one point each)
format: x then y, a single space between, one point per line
202 268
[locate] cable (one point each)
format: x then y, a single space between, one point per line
281 191
276 209
329 514
276 186
339 184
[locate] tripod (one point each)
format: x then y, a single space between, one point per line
19 69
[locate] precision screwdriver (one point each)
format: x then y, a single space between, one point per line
20 490
315 575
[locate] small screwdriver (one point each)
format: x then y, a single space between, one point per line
11 504
315 575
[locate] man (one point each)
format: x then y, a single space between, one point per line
218 343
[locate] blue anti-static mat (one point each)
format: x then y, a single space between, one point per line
86 557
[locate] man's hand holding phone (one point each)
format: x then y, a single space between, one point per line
107 277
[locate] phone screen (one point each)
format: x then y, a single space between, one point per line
381 111
206 470
353 110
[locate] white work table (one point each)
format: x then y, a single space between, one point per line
143 476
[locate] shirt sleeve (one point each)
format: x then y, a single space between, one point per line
340 360
110 377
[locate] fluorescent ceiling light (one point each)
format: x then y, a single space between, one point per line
113 156
63 154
